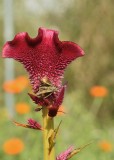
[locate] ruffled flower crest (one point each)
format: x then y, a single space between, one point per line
43 56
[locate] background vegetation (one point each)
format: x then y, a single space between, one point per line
90 24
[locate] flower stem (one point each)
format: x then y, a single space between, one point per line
97 102
48 125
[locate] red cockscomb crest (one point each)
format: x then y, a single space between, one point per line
43 56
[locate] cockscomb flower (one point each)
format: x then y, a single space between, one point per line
45 58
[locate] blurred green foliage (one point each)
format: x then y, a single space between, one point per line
78 128
90 24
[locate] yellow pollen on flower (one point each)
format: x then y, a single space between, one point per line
22 108
98 91
13 146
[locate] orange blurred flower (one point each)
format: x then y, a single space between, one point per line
22 82
22 108
98 91
61 111
17 85
105 146
13 146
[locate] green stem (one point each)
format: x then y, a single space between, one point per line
97 102
48 125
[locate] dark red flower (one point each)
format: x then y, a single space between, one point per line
43 56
